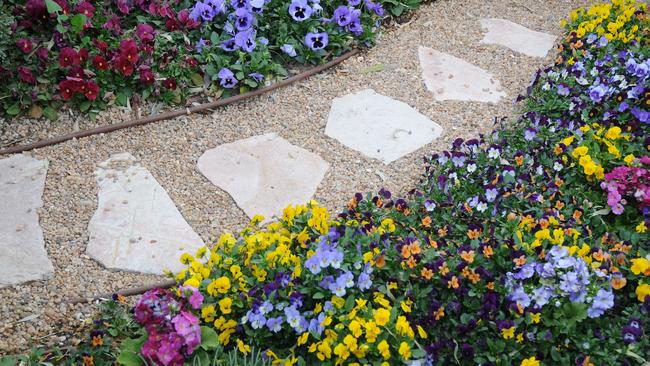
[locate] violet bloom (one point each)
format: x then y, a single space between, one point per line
530 134
289 50
520 297
342 15
238 4
597 92
641 115
227 78
563 90
145 32
244 19
355 24
354 2
199 45
300 10
229 45
257 77
603 301
316 41
245 40
257 5
202 11
217 6
274 324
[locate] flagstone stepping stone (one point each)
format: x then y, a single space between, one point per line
264 173
378 126
452 78
22 249
136 226
517 37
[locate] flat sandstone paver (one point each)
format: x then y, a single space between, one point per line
378 126
264 173
451 78
517 37
136 226
22 249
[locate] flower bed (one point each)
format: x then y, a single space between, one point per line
93 54
527 246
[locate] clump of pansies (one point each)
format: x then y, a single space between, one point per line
525 246
77 53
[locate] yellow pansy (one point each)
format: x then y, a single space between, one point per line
381 316
640 266
531 361
405 350
641 228
225 305
642 291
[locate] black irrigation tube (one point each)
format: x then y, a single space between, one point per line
178 112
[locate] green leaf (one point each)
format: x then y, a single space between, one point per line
129 359
197 79
85 106
77 22
200 358
8 361
318 295
52 7
209 338
133 345
349 303
13 110
50 114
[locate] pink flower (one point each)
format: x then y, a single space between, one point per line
196 299
26 75
123 6
129 50
187 325
113 24
86 8
146 76
145 32
42 53
25 45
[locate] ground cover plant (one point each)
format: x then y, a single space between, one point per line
526 246
93 54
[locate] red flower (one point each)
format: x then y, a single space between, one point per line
86 9
170 83
36 9
129 50
100 63
123 66
68 88
69 56
172 25
64 5
76 72
147 77
101 45
25 45
83 55
92 89
144 32
113 24
191 61
26 75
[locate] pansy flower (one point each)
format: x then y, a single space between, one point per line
25 45
300 10
316 41
227 78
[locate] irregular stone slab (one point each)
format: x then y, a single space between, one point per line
378 126
22 249
136 226
451 78
264 173
517 37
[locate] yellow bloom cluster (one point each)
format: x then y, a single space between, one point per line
616 20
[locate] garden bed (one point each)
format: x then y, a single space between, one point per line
143 55
453 269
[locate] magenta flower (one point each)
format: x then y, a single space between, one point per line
26 75
145 32
25 45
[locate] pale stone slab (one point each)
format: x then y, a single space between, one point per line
378 126
451 78
264 173
517 37
22 249
136 226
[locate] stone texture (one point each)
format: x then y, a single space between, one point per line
378 126
136 226
516 37
451 78
264 173
22 248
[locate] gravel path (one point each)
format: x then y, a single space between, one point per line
298 113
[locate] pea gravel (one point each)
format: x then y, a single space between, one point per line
37 313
